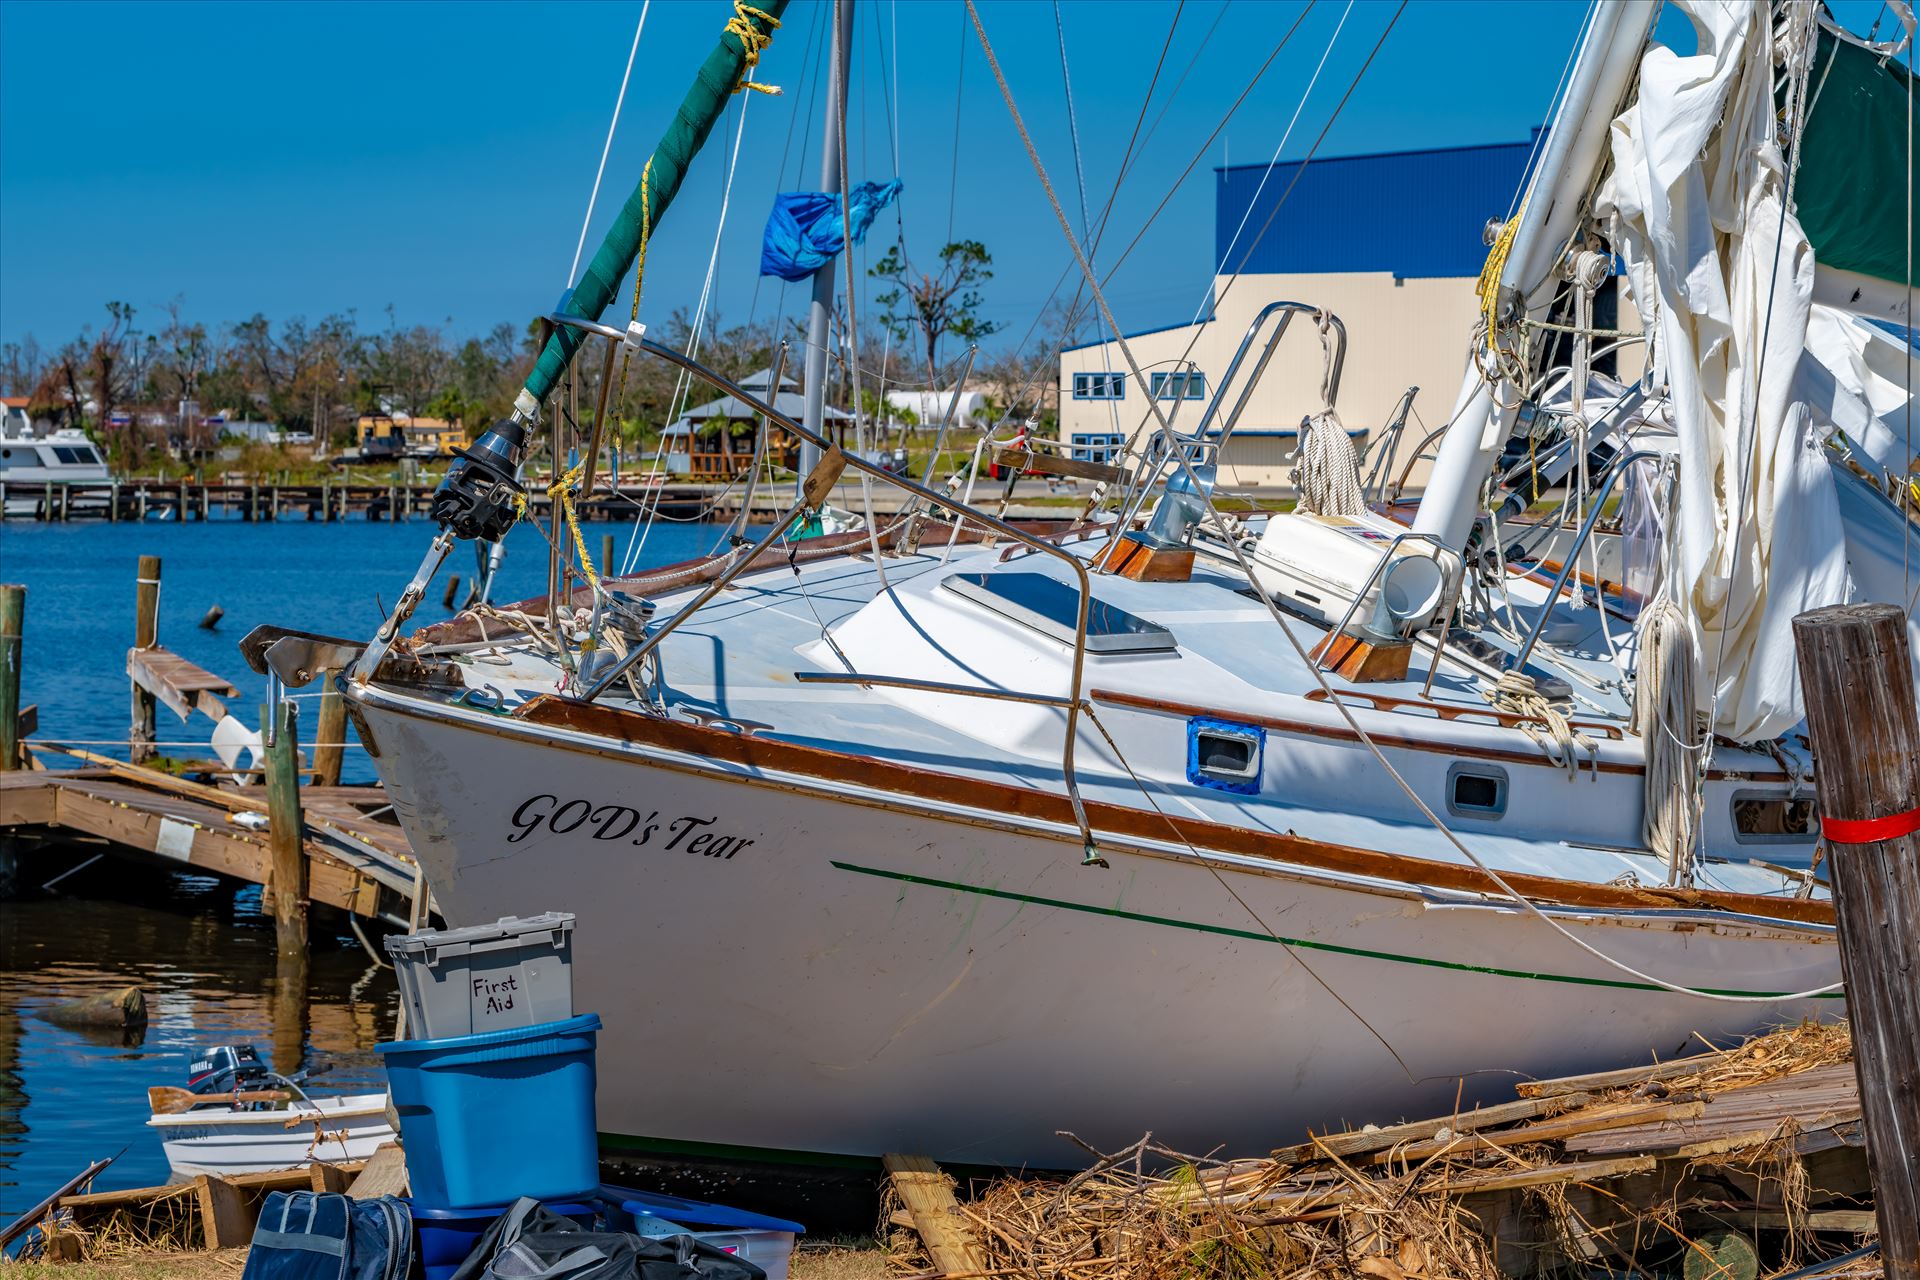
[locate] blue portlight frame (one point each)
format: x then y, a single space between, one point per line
1215 757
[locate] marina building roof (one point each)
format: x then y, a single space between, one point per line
1413 214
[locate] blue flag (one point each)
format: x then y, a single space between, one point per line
804 231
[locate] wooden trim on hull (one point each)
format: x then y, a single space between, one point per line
999 800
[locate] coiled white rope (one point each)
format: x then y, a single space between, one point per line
1326 469
1664 717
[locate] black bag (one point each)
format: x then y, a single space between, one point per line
531 1242
308 1235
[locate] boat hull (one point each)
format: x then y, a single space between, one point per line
228 1143
789 964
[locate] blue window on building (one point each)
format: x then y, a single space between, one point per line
1103 447
1099 386
1179 386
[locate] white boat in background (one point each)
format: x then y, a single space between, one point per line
219 1140
29 463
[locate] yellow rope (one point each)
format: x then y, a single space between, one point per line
561 491
1489 286
752 41
639 274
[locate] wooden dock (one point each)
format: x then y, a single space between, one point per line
338 846
356 862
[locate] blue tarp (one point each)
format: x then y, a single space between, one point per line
804 231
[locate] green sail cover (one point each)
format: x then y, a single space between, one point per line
602 280
1851 193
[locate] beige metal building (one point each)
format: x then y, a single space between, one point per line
1392 244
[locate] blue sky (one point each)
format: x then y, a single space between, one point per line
302 159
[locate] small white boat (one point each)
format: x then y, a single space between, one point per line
219 1140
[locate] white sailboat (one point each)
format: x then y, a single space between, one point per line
941 836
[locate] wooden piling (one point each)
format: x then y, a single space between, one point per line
113 503
1857 676
146 634
13 617
453 589
330 734
286 827
212 619
606 554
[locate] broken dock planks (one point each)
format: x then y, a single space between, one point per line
357 863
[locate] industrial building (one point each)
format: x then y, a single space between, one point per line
1391 243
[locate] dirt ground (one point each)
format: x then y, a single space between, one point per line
824 1261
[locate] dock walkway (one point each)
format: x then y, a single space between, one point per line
356 862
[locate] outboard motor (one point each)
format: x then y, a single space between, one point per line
227 1068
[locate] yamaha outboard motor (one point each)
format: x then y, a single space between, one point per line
225 1069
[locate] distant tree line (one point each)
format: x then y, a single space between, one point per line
319 376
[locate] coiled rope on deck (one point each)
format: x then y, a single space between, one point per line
1516 694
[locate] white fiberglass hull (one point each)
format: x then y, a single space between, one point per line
227 1143
785 963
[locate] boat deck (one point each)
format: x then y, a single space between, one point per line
740 659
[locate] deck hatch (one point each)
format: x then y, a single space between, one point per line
1051 607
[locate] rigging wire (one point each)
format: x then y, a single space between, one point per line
573 272
637 540
1233 545
1278 147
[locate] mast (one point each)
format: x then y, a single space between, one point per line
719 77
820 312
1555 201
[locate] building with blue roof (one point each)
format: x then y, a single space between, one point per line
1391 243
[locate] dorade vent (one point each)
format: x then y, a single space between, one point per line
1052 608
1224 755
1476 790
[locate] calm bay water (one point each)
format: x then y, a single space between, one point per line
201 950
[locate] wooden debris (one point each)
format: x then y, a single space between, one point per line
226 1220
1626 1172
385 1174
126 1007
928 1195
204 1213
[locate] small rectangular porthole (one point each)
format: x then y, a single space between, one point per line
1476 790
1770 817
1224 755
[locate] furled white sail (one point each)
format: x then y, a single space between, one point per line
1723 277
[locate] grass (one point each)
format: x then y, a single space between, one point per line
828 1260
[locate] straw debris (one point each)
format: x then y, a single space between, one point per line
1698 1166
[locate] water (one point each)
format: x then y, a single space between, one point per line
201 950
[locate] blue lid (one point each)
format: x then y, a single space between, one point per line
696 1211
580 1024
566 1208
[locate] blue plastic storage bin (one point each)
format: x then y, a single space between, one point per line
492 1117
446 1236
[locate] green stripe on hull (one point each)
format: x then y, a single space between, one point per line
1303 943
616 1144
